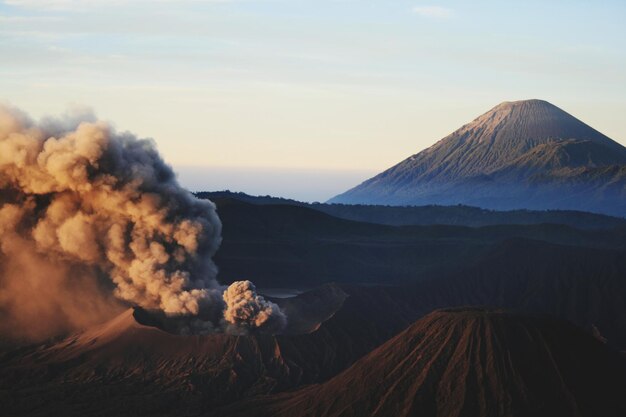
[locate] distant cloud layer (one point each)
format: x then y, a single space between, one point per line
437 12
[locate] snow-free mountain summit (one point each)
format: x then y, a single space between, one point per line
522 154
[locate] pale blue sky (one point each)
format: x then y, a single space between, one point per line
341 88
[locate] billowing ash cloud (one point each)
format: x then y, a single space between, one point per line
246 309
80 204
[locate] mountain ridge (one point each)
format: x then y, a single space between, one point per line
467 361
427 215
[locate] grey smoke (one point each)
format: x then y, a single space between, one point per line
245 309
81 203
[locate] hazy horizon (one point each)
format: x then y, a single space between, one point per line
322 184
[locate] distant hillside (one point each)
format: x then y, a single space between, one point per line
556 269
458 215
298 247
525 154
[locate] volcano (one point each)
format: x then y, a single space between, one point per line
124 367
467 362
525 154
134 365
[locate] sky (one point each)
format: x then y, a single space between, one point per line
305 99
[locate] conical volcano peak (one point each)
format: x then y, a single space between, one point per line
469 361
529 103
532 109
503 135
520 154
530 121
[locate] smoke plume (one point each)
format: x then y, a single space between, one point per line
86 212
246 309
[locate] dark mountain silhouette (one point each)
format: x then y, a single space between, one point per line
467 362
297 247
566 272
458 215
525 154
583 285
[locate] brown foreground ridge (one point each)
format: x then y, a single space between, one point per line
467 362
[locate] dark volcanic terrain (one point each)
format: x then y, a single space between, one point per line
131 366
297 247
127 367
579 275
467 362
457 215
387 277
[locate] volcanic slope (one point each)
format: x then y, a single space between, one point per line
131 366
467 362
125 368
524 154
